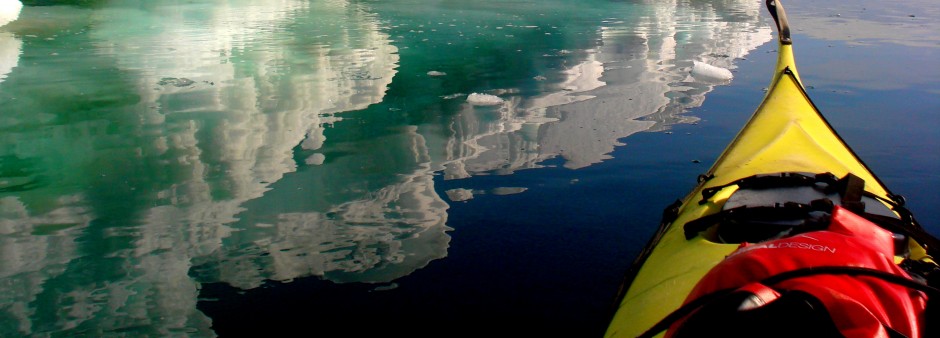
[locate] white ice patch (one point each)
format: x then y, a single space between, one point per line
436 73
459 195
10 49
704 71
315 159
9 11
478 99
508 190
453 96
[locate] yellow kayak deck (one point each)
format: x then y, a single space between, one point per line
786 133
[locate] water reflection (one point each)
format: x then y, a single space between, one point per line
162 122
10 48
907 29
150 147
910 23
636 79
326 221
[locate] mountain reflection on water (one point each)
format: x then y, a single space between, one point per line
149 147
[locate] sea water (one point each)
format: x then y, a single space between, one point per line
235 167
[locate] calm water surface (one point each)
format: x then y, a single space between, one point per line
218 167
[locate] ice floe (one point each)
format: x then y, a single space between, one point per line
478 99
9 11
508 190
459 195
704 71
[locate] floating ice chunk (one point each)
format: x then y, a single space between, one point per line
453 96
508 190
9 11
478 99
10 48
704 71
176 82
436 73
315 159
459 195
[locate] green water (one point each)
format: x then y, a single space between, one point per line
151 148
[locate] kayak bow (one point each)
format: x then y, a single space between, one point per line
786 149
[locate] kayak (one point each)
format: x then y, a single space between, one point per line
787 227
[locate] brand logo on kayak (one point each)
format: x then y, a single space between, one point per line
785 245
801 245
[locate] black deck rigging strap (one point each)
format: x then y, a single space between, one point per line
851 188
697 303
788 210
906 225
765 181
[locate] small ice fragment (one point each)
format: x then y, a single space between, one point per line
540 78
315 159
508 190
176 82
436 73
453 96
459 195
478 99
10 11
701 70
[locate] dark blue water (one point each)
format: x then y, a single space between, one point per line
260 168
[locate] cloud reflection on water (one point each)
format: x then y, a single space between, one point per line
10 48
637 79
220 107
